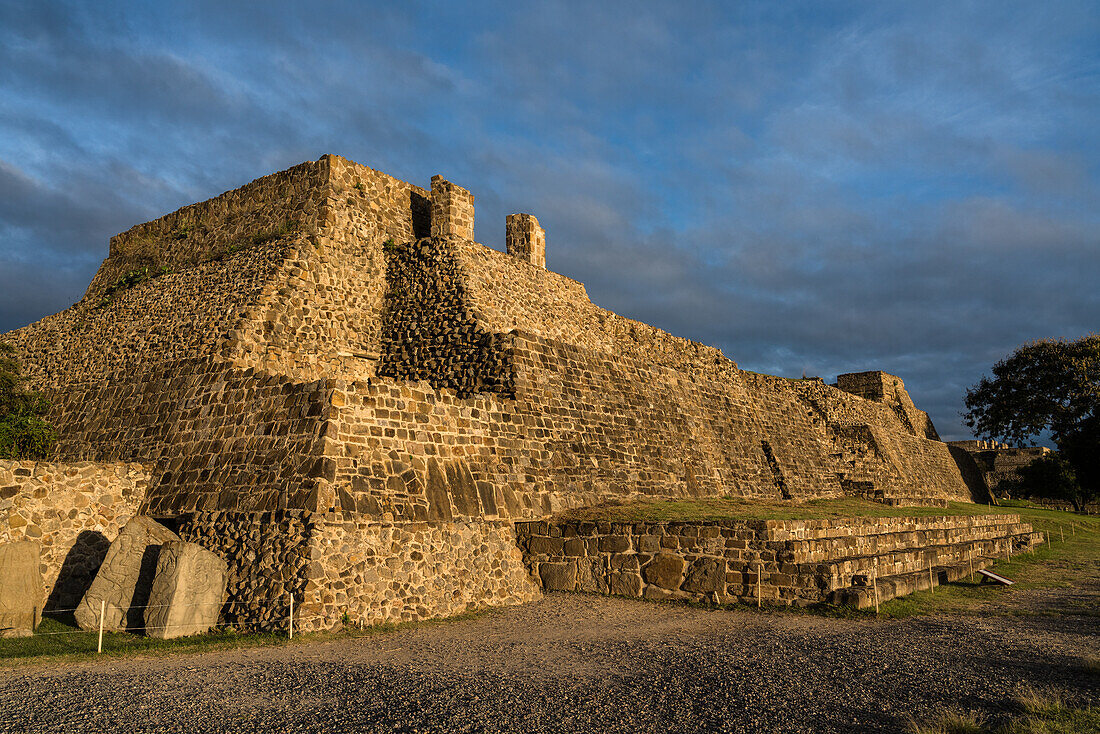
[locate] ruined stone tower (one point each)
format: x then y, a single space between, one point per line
334 387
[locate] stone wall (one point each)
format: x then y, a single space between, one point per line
1000 464
779 561
74 511
394 572
346 568
329 341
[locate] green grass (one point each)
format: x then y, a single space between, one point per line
728 508
1031 711
60 639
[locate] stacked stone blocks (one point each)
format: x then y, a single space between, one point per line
785 561
328 345
525 239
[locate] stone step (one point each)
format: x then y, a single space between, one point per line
851 527
862 596
829 577
833 549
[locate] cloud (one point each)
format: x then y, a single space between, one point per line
911 188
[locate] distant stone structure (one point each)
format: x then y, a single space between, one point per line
330 385
1000 463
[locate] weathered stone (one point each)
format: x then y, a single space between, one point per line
706 575
558 576
626 584
188 591
21 595
665 570
124 580
614 544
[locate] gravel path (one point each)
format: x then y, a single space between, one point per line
575 663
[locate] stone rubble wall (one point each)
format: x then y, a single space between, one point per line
208 230
215 438
349 568
74 511
395 572
267 554
785 562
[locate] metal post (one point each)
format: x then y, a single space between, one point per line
291 617
102 612
759 575
931 581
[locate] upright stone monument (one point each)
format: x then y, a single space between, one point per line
188 591
21 595
125 578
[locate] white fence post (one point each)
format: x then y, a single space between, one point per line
102 612
291 616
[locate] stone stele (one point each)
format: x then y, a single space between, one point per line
188 591
125 578
21 594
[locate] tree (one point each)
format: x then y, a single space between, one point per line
1047 386
1051 476
24 433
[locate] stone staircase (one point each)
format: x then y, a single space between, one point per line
844 565
837 560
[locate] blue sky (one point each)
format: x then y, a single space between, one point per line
811 187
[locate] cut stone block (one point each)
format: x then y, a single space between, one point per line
125 578
188 591
21 592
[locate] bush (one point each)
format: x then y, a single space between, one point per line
24 433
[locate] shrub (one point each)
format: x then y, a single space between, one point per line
24 433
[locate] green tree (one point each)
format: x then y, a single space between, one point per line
1050 386
24 433
1051 476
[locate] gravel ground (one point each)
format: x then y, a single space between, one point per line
575 663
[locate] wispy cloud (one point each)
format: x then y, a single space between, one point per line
913 188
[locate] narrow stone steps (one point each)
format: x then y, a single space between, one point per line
827 550
857 588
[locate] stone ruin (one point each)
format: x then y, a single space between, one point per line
331 386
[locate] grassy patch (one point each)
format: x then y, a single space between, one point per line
58 638
728 508
1031 711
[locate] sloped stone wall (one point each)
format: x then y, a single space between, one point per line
74 511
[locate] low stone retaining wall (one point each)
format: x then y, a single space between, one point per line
782 561
348 568
74 511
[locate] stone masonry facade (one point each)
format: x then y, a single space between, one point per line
324 357
73 511
786 562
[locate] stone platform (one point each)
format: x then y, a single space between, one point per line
802 562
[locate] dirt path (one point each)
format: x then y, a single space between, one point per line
574 663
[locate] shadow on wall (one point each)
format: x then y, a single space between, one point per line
78 570
972 476
135 613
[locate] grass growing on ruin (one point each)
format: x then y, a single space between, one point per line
59 639
695 510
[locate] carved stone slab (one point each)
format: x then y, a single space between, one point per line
125 578
188 591
21 593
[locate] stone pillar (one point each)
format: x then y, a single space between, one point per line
452 210
526 239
